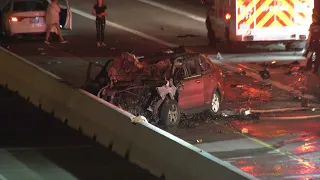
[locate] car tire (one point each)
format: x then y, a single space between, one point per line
170 113
215 103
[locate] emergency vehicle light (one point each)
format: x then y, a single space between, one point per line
228 16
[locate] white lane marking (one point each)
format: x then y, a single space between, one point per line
237 158
118 26
229 145
232 68
173 10
302 176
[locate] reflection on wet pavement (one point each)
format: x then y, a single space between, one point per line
296 152
297 158
267 149
243 92
291 74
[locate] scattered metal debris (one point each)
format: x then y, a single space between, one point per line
266 87
236 85
295 70
188 35
295 63
305 103
139 119
265 74
54 62
227 73
240 72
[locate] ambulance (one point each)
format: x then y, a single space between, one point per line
261 20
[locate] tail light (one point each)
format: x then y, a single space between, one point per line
228 16
14 19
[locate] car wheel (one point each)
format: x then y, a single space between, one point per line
215 103
170 113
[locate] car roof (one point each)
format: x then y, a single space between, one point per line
157 58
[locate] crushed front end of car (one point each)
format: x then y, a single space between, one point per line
143 88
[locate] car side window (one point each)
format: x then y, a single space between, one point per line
192 67
204 65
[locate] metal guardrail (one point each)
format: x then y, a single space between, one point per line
163 154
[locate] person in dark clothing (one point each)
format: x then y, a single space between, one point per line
314 45
100 11
211 34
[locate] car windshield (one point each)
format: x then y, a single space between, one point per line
24 6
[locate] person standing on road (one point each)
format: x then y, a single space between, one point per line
100 11
314 44
53 19
210 32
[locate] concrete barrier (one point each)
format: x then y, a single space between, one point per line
163 154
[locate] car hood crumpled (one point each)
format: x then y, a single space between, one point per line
127 67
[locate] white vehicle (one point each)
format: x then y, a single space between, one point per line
261 20
21 17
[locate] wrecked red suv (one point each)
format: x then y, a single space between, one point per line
161 87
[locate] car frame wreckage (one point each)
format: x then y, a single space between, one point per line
154 86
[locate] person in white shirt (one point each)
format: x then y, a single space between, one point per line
53 20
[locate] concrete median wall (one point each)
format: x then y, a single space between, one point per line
143 144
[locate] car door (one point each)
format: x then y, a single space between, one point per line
191 95
65 15
210 81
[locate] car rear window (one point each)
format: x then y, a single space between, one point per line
24 6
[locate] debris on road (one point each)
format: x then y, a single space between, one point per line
266 87
305 103
227 73
265 74
54 62
139 119
188 35
236 85
295 70
295 63
240 72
